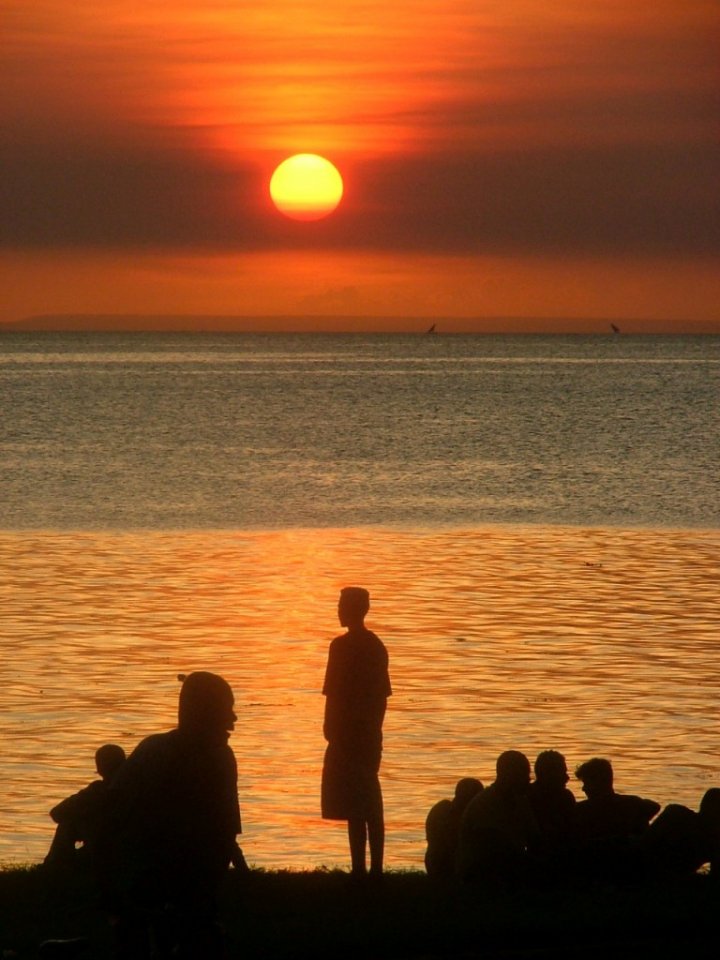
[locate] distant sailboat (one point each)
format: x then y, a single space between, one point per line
615 329
431 329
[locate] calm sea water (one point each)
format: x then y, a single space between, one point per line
536 518
257 432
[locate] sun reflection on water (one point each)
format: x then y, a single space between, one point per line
590 641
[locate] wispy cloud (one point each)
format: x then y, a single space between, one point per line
462 127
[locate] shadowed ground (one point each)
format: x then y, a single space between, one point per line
321 914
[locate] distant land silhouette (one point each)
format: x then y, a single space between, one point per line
180 323
344 323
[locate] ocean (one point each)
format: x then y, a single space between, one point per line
537 519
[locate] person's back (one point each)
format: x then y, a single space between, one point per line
442 828
79 817
609 825
171 828
175 802
709 812
498 825
356 688
606 814
674 841
680 840
552 803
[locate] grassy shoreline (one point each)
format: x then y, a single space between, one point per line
283 915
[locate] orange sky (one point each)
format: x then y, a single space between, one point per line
524 158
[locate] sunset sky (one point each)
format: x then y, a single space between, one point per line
520 158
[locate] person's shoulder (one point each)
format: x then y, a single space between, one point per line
631 800
676 814
150 748
94 787
648 805
441 807
373 640
632 805
482 799
680 810
357 639
155 740
438 816
338 642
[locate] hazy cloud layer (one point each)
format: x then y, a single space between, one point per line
638 198
460 127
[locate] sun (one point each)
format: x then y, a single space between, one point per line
306 187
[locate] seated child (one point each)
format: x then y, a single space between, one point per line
77 817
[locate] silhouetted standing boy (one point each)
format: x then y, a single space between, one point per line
356 688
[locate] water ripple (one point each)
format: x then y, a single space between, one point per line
592 641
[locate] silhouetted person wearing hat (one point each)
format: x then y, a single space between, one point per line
79 816
442 828
171 830
356 688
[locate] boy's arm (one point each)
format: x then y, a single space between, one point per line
80 804
331 724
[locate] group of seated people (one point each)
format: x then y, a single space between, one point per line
518 830
79 818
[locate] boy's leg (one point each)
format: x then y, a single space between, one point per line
376 837
357 835
62 848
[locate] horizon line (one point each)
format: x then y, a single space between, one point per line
431 324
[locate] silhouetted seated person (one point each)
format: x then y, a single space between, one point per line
606 813
554 808
78 817
679 840
171 830
710 814
609 824
498 826
442 828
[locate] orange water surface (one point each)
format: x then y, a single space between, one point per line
595 641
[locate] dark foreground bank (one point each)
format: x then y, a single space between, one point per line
321 915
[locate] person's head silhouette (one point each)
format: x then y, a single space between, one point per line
353 606
205 707
465 789
108 759
512 771
709 808
551 769
596 776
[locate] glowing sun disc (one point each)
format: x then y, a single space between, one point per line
306 187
